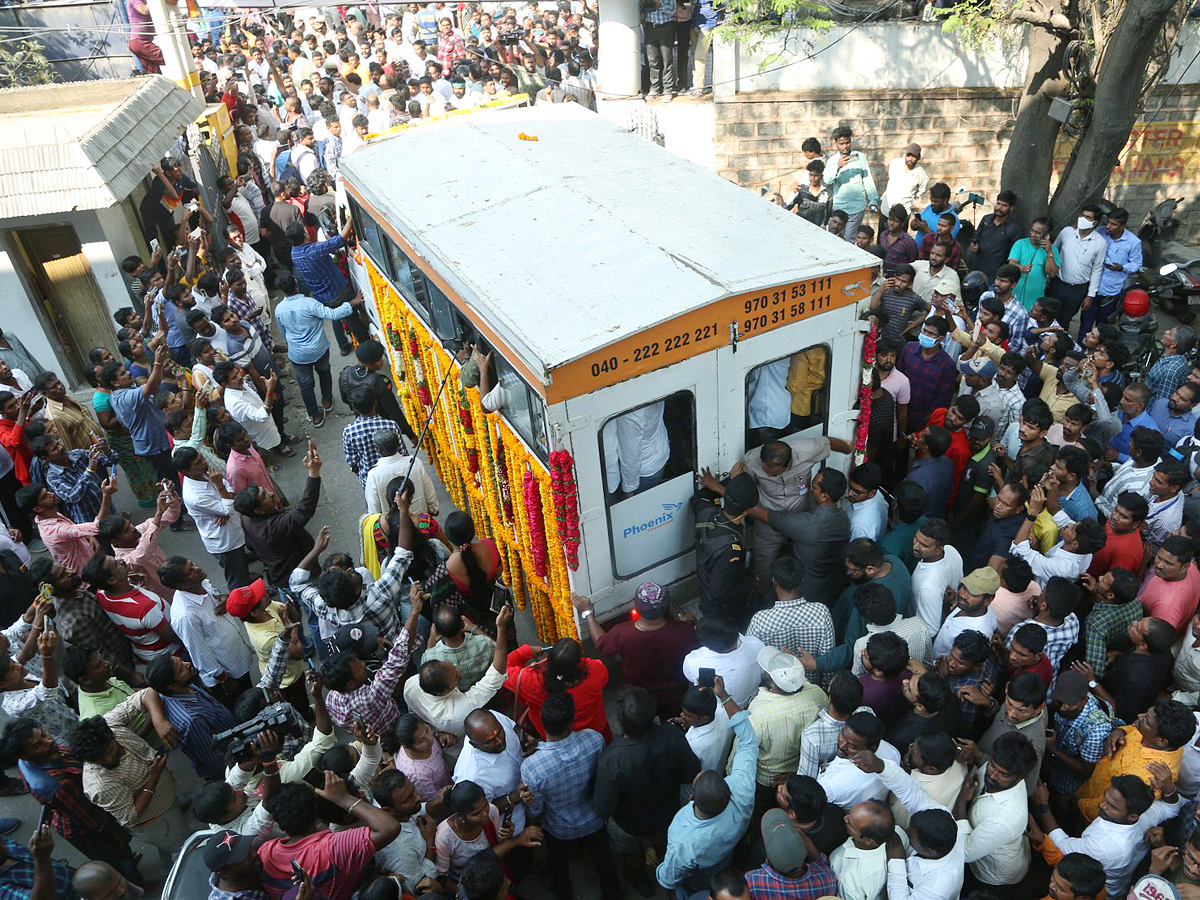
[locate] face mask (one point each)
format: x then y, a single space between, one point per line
1084 224
927 342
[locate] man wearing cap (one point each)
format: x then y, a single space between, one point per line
1081 252
971 610
783 707
794 866
702 835
970 503
235 868
995 236
726 584
652 645
979 374
278 537
907 181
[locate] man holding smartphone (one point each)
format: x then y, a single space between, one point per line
1038 260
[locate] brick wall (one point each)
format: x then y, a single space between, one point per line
963 133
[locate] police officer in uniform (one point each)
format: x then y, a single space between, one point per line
727 584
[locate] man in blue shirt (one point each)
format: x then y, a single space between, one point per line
134 407
1176 418
1123 258
559 774
302 321
702 835
1133 412
1070 469
313 264
939 205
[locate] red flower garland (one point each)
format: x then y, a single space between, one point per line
864 395
566 504
537 526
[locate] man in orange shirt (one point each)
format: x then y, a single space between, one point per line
1158 735
1124 548
1076 876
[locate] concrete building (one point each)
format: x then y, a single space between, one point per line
73 170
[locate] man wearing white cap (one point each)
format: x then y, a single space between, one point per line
784 706
1081 251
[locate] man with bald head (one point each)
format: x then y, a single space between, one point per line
491 757
861 863
96 880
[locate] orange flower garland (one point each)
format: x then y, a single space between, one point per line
485 465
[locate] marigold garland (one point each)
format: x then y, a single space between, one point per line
487 469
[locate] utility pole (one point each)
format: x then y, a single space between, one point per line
170 30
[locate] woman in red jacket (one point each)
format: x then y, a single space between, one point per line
535 672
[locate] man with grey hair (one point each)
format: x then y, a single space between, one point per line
394 463
1172 367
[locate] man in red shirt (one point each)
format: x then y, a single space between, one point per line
1027 653
955 419
14 411
1172 586
1124 547
651 646
334 860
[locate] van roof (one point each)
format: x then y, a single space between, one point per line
585 236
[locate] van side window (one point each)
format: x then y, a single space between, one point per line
787 395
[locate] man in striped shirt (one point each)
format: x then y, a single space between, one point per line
142 616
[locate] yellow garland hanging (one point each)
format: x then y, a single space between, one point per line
478 493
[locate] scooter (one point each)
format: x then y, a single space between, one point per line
1157 230
1177 288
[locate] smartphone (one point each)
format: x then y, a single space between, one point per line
298 872
44 818
315 778
162 751
153 245
48 624
312 665
357 720
708 677
499 601
506 819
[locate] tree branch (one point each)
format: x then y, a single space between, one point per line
1051 21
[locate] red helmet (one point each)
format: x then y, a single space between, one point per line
1137 302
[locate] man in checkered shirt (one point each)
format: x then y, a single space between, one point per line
358 438
793 623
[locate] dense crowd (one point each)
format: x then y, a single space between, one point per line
970 667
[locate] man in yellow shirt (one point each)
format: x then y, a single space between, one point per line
265 621
1158 735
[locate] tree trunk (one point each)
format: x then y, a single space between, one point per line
1029 162
1119 89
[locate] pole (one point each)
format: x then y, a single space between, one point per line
171 36
621 37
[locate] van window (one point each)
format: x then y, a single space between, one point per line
519 404
787 395
648 459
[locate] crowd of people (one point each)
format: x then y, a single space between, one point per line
970 667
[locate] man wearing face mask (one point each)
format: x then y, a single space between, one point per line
931 372
1081 253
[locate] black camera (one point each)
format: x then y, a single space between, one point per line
513 35
281 718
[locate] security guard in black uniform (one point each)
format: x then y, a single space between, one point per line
727 584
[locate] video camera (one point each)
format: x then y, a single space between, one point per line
513 35
281 718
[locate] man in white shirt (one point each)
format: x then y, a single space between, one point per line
215 640
729 654
491 757
932 867
934 276
768 401
434 695
1081 251
868 507
939 569
846 783
861 863
1116 838
708 732
636 449
304 152
907 181
972 610
1071 556
393 464
209 500
992 810
245 406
